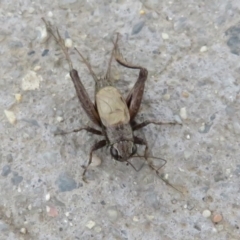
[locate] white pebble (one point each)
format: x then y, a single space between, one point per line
187 154
31 81
18 97
206 213
30 207
202 128
59 119
183 113
43 34
135 219
23 230
166 97
188 136
67 214
98 229
96 161
48 209
68 42
31 10
203 49
47 197
90 224
113 214
37 68
50 14
150 217
165 36
177 119
10 116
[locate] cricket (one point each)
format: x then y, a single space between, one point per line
113 115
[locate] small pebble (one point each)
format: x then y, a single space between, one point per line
47 209
165 36
150 217
135 219
29 207
18 97
96 161
16 179
23 230
31 10
67 214
97 229
68 42
188 136
187 154
43 33
50 14
206 213
142 12
217 218
31 81
60 119
6 170
90 224
166 97
113 214
203 49
183 113
137 27
37 68
45 52
47 197
185 94
65 182
177 119
52 211
10 116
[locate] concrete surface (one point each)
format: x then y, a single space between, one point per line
191 49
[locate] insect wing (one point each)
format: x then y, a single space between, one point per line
112 107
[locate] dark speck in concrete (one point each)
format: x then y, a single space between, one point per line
65 182
6 170
138 27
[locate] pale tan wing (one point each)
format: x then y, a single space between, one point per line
112 107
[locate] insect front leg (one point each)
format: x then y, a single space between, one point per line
145 123
88 129
95 147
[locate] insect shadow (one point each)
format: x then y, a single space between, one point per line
113 114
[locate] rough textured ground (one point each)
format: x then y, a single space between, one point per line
191 49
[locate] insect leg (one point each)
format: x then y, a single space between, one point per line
134 97
88 129
82 94
145 123
95 147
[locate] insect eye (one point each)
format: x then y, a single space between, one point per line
114 153
134 149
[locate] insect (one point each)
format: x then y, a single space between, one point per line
113 114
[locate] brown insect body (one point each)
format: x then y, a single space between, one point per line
111 112
115 118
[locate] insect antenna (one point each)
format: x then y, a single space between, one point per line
60 42
94 76
157 170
